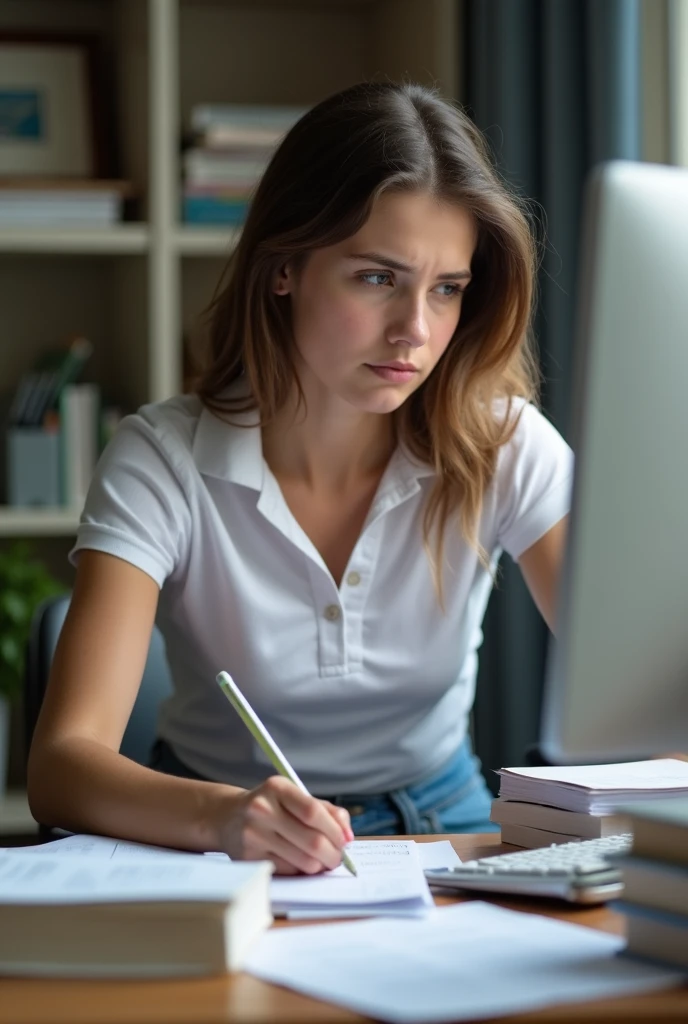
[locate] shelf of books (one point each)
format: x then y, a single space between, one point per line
119 239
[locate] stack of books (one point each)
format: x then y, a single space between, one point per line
656 881
232 146
540 806
61 202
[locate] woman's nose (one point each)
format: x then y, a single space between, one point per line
410 327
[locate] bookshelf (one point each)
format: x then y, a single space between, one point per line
137 288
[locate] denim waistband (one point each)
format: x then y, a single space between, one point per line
417 809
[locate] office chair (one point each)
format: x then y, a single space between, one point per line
156 683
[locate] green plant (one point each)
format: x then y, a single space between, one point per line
24 583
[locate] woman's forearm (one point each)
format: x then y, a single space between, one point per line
81 785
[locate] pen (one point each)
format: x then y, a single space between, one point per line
265 741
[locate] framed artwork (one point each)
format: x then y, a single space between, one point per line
48 121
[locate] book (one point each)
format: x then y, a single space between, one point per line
236 126
655 934
653 883
532 838
596 789
570 824
79 441
38 391
212 209
205 115
74 915
46 202
660 829
217 167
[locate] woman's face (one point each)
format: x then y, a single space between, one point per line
373 314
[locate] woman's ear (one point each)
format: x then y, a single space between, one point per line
282 281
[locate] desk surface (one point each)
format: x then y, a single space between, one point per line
241 999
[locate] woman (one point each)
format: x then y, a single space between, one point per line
324 517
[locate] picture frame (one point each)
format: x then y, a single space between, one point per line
48 106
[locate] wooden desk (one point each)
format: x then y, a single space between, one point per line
241 999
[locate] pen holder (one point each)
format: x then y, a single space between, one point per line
33 466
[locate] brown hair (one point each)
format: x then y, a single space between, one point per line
318 190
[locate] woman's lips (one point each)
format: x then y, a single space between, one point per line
394 374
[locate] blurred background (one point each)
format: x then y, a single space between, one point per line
131 135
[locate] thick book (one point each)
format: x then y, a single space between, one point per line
654 883
596 789
660 829
533 838
73 915
656 934
569 824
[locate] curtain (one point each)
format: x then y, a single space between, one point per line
555 86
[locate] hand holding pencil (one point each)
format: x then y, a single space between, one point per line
285 823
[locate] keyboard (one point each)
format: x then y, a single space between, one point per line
583 871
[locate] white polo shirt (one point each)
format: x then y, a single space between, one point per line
366 687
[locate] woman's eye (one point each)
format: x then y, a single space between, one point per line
452 290
375 278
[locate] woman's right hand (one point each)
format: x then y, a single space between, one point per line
279 822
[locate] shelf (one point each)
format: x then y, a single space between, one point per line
15 816
120 238
206 241
38 522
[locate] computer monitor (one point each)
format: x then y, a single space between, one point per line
616 684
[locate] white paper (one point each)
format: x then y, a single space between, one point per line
390 874
438 855
107 848
463 962
73 878
665 773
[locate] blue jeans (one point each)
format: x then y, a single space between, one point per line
453 799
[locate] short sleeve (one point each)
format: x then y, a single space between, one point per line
137 506
534 479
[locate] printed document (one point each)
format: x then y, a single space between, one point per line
457 963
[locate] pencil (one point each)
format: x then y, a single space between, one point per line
265 741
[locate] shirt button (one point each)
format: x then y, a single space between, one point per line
353 579
332 612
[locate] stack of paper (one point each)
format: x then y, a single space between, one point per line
595 789
390 881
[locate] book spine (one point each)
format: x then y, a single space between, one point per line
210 210
79 415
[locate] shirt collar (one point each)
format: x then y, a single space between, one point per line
233 450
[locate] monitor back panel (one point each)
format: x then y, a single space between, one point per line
617 676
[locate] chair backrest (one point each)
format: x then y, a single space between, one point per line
155 685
